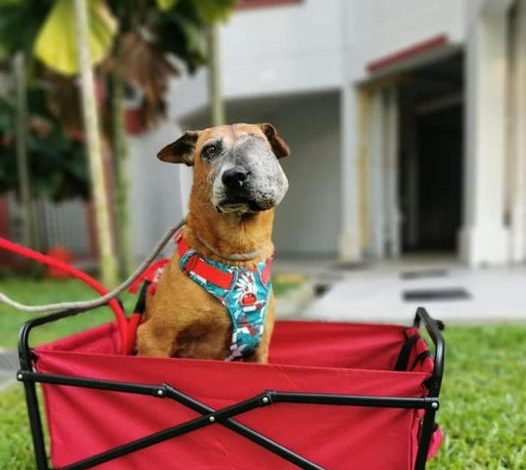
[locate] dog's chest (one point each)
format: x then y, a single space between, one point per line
202 324
207 337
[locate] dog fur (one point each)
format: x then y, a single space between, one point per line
181 318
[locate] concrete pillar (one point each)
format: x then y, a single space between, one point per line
349 242
517 135
392 203
377 170
364 117
484 238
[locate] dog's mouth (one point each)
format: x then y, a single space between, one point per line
242 206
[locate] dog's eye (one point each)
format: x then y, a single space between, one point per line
211 151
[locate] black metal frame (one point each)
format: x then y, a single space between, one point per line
224 416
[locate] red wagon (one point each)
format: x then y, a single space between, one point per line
333 396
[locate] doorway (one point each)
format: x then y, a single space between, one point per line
431 157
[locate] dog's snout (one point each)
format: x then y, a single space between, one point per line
235 177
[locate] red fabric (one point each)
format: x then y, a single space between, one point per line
419 353
305 357
131 336
436 442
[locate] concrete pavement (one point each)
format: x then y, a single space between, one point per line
375 292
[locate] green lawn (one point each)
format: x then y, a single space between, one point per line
34 292
483 405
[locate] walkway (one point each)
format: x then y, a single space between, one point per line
390 292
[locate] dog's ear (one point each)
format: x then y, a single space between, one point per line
180 151
278 145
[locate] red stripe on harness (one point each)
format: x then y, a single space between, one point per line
265 275
201 268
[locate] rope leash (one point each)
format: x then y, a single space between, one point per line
89 304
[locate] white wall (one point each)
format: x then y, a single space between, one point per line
295 47
289 48
157 190
308 220
378 28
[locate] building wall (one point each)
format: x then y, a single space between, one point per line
157 190
307 47
317 45
322 45
308 221
280 49
289 48
379 28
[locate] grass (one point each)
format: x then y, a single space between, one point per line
483 403
482 406
35 292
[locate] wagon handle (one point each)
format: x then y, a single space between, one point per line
434 328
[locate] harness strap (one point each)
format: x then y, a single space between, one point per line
265 274
200 267
205 270
244 292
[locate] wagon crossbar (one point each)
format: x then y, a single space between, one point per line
211 416
223 416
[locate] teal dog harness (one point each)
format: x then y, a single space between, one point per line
243 291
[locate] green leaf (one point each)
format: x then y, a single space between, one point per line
56 42
10 2
19 25
212 11
181 34
165 5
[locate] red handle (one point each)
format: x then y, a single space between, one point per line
120 316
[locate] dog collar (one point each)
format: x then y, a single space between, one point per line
232 257
243 291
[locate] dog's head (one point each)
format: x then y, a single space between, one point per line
235 166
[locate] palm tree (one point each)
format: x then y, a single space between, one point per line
108 262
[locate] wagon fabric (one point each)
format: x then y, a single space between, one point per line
313 357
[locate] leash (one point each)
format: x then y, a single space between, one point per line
109 298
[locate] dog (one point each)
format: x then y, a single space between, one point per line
214 299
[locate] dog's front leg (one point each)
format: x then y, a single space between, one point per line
155 340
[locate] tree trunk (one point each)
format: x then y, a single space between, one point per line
108 265
215 93
120 157
29 225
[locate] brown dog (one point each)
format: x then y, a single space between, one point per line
237 183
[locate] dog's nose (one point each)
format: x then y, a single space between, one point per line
235 177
